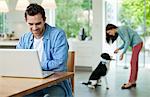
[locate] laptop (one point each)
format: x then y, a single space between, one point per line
21 63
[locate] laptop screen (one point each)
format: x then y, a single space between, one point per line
20 63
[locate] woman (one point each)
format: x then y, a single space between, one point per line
130 38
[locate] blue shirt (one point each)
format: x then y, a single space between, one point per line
55 49
129 37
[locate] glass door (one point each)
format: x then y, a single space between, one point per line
133 13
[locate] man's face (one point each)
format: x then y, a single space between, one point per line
36 25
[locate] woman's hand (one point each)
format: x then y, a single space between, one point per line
121 56
116 51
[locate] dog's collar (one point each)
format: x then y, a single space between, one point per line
104 61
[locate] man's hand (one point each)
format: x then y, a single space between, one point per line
116 51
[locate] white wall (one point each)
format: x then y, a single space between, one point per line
15 19
98 29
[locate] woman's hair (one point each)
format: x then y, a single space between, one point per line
34 9
110 38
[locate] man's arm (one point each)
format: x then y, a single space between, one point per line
58 54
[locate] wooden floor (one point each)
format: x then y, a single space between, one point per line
116 77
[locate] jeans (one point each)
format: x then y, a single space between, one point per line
52 91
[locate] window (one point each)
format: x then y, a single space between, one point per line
136 15
73 15
2 23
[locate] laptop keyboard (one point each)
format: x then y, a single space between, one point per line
47 73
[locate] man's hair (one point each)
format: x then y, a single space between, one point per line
109 37
34 9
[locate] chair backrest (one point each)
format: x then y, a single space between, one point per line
70 63
70 66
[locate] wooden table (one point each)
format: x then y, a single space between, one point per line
18 87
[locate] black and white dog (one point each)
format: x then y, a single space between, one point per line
100 71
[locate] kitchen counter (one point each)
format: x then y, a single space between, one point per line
8 43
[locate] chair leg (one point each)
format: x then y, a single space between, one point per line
72 82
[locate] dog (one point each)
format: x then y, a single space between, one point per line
100 71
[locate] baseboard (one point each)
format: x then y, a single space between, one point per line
83 68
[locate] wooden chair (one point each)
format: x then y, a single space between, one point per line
70 66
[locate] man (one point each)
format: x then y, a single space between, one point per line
52 47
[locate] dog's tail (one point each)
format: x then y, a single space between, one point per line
86 83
